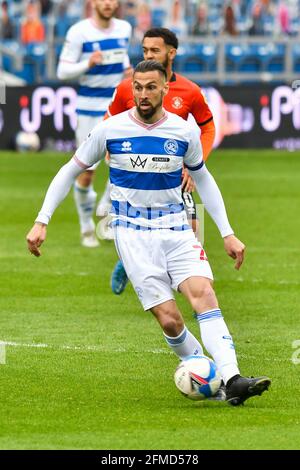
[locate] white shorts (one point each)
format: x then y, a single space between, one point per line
84 126
157 261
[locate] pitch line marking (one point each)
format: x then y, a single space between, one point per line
65 347
94 348
2 353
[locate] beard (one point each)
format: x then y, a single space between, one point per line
105 15
148 113
165 63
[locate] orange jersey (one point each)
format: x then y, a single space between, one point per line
184 98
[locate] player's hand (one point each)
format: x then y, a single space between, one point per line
107 158
236 249
187 183
36 237
95 59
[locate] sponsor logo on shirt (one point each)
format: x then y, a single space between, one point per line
160 159
126 146
138 162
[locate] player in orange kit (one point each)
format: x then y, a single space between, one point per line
184 98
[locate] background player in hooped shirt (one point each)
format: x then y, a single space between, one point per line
184 98
95 52
147 147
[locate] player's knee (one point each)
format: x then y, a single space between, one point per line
85 179
170 320
172 326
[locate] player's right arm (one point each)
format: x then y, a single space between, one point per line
70 66
90 152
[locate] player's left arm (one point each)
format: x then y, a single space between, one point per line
212 199
204 118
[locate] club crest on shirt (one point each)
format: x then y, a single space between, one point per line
96 46
122 43
177 102
171 146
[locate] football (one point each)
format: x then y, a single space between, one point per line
27 141
197 377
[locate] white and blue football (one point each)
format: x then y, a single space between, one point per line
197 377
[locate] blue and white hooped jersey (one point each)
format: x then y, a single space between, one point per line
98 84
145 167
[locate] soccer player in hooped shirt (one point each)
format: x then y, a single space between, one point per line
184 98
147 147
95 53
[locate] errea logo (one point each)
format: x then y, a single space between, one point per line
126 146
171 146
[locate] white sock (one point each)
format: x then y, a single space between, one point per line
85 200
185 344
104 204
218 342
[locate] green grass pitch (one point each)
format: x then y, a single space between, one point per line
102 377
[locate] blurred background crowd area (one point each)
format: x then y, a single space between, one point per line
237 36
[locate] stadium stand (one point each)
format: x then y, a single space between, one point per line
220 41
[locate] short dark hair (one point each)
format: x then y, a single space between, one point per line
168 36
150 66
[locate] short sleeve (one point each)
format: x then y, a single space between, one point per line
93 148
200 108
193 158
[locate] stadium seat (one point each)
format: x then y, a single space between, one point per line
234 54
36 54
204 55
158 17
63 24
296 58
7 60
275 62
294 26
135 52
192 63
251 61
